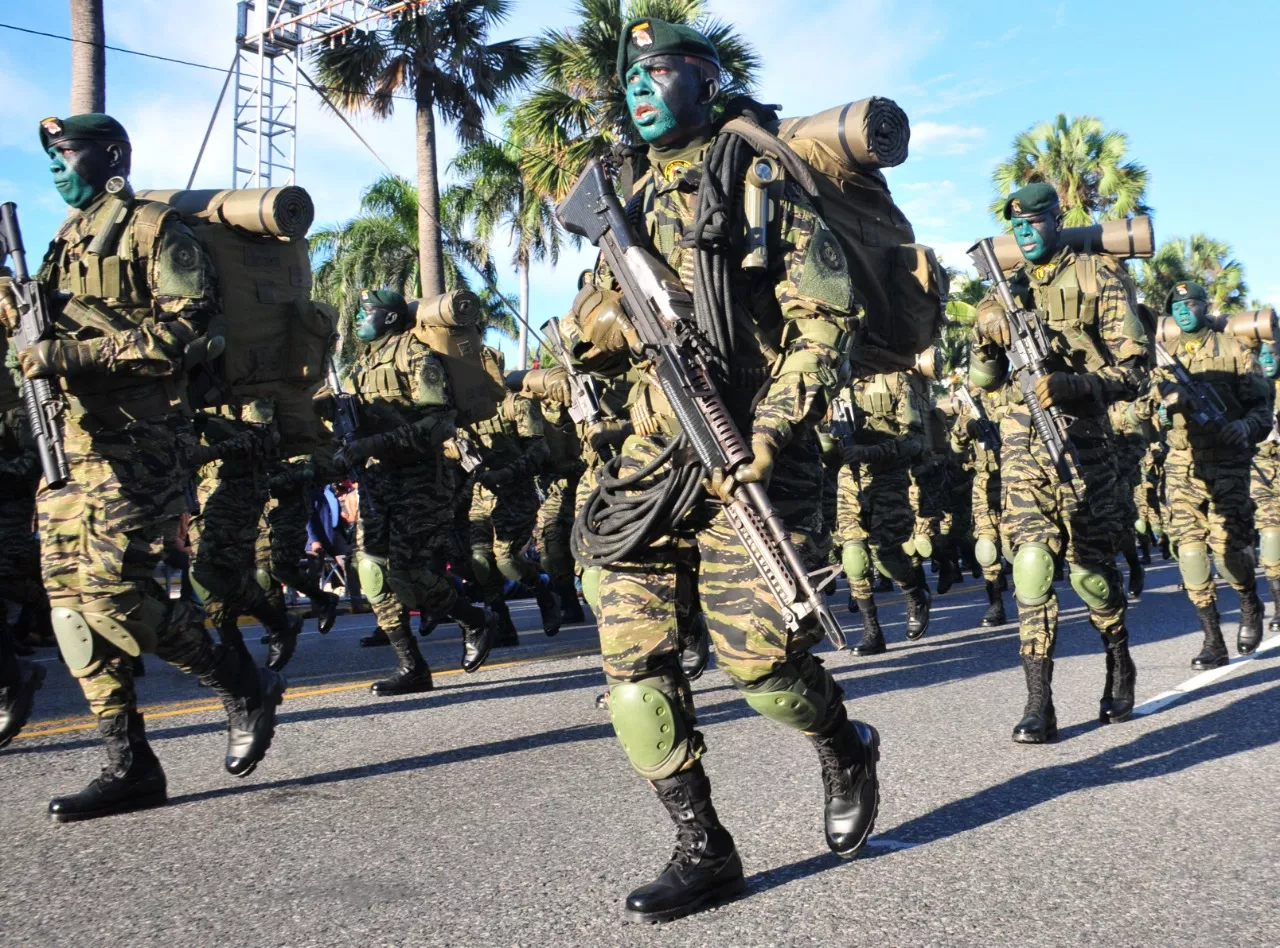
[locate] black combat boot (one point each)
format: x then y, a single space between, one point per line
428 622
1249 635
132 779
325 606
1213 654
1039 724
377 639
1166 550
479 631
704 868
18 696
919 603
232 636
1137 575
1144 547
949 571
695 648
283 642
139 666
1274 583
251 696
852 605
883 584
570 605
507 635
872 641
1116 704
848 751
548 606
995 607
412 675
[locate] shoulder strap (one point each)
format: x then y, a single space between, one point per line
145 224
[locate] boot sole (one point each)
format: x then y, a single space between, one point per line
148 802
478 663
854 851
866 652
276 696
1048 737
1209 666
729 889
419 690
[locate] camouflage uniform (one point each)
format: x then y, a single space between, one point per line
1265 490
19 477
558 485
930 490
282 533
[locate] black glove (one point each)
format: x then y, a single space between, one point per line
494 480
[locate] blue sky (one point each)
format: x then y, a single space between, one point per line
1193 85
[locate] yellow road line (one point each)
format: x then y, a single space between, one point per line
176 709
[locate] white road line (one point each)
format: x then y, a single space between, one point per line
1196 682
893 844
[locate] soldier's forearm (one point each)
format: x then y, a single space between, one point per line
793 399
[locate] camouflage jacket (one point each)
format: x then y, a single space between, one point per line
404 397
1231 369
890 421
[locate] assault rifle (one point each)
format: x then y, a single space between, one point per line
661 310
1028 358
41 397
346 416
584 390
990 434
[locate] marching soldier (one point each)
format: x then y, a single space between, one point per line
1266 486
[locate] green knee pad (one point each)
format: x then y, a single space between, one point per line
1033 574
856 559
480 566
1140 526
923 545
650 728
895 563
591 587
373 576
986 552
1193 563
512 569
263 579
791 697
1092 587
1237 568
75 641
1269 543
202 593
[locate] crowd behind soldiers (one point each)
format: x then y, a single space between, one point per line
895 474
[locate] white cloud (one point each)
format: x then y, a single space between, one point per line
936 138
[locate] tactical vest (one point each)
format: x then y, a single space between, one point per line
1216 357
381 380
1069 304
110 293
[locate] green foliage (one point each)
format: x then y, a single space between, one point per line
1084 162
1202 259
961 314
577 109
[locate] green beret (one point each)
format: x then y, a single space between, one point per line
90 126
645 37
1031 201
383 299
1186 290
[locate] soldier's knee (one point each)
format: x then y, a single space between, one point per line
1140 526
895 562
1033 574
1093 588
1269 545
651 729
591 588
1193 564
1236 567
513 566
856 559
263 579
76 642
920 545
372 571
798 694
986 552
480 565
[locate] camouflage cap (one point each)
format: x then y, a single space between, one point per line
88 126
645 37
1031 200
1186 290
383 299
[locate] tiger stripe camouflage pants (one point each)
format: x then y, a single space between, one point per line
1210 508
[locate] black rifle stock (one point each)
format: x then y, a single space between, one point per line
1028 357
41 397
661 310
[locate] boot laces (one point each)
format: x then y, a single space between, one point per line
836 766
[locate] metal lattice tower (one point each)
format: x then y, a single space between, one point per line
271 37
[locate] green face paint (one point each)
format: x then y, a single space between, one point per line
1036 237
375 323
1267 358
69 168
664 98
1189 315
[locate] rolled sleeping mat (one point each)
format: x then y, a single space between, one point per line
453 310
872 133
930 362
1130 239
1252 327
275 212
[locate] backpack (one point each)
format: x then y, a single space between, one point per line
899 284
277 338
450 325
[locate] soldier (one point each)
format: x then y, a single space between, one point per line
1132 437
504 509
982 438
671 77
136 291
1266 486
19 682
1098 357
407 491
1207 470
874 512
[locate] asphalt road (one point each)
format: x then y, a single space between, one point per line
499 810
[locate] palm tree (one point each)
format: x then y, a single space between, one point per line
1084 162
379 247
578 109
962 302
438 54
1202 259
88 57
493 195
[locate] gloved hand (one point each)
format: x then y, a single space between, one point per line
859 454
604 324
758 470
9 316
993 324
1236 434
494 481
1064 388
354 453
557 384
51 357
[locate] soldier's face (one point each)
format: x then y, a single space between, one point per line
374 323
81 169
1190 315
1267 358
1037 237
668 97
